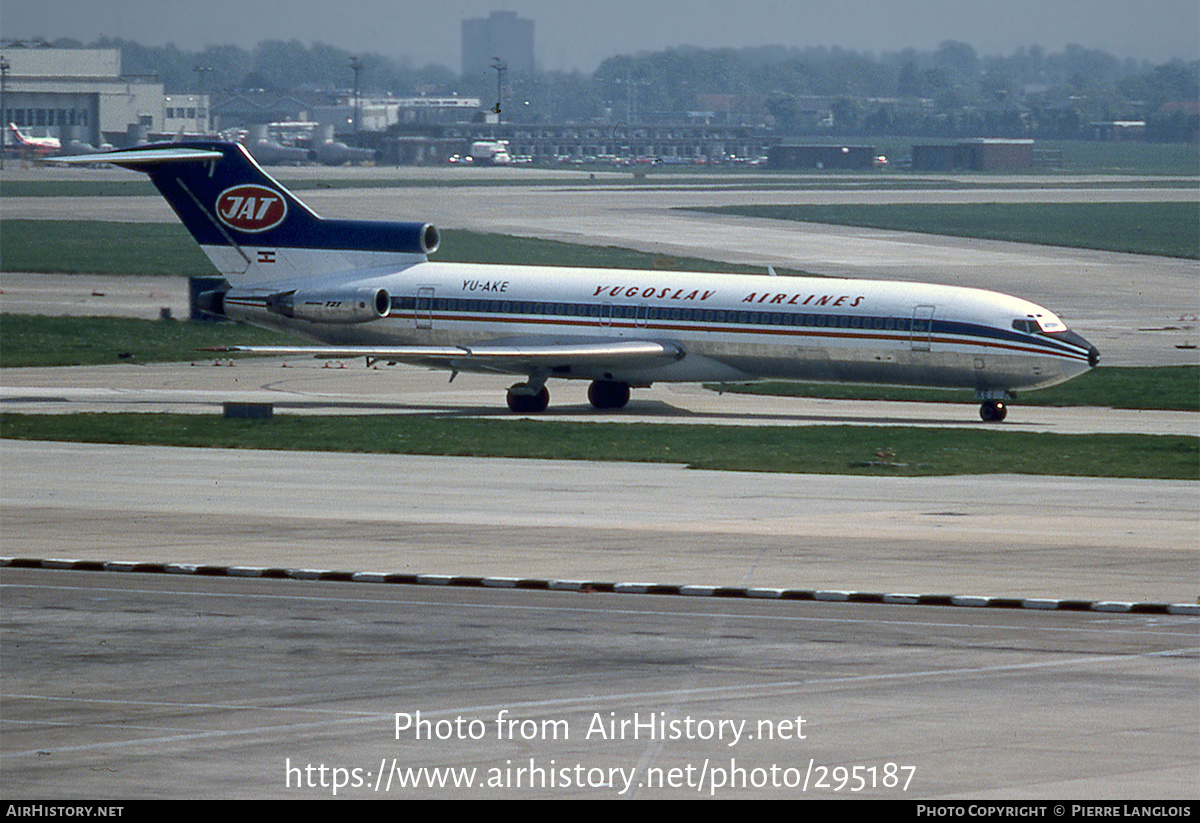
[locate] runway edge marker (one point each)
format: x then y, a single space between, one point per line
597 586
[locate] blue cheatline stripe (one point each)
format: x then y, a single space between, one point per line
588 315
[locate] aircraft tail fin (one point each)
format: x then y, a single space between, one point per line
253 229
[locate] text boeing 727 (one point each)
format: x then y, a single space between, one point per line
367 289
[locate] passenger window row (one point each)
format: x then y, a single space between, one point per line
454 305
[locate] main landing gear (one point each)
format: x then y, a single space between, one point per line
993 411
525 398
607 394
533 397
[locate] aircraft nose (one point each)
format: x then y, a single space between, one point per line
1076 340
1093 352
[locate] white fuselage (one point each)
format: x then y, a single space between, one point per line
730 327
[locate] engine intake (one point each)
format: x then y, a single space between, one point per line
431 238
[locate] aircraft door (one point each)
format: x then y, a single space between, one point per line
922 328
424 313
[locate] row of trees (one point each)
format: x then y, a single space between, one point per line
951 90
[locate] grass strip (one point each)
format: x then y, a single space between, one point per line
33 340
93 247
82 246
892 451
1174 388
1165 229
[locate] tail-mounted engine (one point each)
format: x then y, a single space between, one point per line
317 306
334 306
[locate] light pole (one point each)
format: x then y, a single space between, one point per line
4 67
357 67
200 71
500 68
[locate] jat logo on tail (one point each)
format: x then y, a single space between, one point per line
251 208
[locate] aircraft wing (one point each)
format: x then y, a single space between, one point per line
509 358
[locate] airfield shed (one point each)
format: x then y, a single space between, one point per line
786 156
974 155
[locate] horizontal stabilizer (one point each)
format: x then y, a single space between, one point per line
140 157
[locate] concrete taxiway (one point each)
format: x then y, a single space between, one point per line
307 386
136 685
1096 539
147 297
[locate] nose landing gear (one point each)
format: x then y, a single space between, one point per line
993 411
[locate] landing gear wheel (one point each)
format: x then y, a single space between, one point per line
606 394
521 401
993 411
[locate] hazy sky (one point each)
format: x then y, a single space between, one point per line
578 34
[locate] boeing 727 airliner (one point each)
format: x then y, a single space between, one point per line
368 289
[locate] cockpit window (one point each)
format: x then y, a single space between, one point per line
1039 323
1050 324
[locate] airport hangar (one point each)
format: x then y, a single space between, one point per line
83 94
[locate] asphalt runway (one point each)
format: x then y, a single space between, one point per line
152 685
138 685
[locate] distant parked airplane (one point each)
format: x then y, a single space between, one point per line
42 146
332 152
270 152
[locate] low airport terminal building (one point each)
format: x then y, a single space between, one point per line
82 94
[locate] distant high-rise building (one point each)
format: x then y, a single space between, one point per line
500 35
